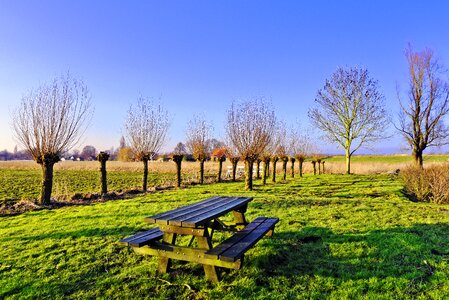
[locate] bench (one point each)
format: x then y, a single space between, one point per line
143 238
234 247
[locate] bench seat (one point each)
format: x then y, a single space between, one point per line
234 247
143 238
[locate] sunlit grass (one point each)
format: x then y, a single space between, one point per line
339 237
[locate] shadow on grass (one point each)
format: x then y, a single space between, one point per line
409 253
122 231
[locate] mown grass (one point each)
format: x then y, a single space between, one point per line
339 237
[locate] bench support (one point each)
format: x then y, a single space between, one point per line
186 254
211 272
165 262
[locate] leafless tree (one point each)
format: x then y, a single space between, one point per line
350 111
233 155
146 127
421 115
278 148
250 127
219 154
177 156
282 147
88 153
50 121
266 158
198 138
103 157
300 145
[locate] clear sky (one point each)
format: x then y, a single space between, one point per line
199 56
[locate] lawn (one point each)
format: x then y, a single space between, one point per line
339 237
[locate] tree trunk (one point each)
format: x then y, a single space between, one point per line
47 183
300 167
323 166
417 157
292 167
249 164
234 162
145 174
348 162
103 157
258 168
201 171
220 168
314 167
274 169
284 168
319 167
178 160
47 163
266 164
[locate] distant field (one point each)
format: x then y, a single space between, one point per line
390 159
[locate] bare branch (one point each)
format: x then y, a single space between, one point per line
350 110
421 120
146 127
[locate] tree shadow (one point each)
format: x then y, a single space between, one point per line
411 254
121 231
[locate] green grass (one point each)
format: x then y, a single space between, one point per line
25 184
339 237
389 159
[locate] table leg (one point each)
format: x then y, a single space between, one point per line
165 262
210 271
239 219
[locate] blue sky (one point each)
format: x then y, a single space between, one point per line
199 56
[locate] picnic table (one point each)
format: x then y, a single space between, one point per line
199 221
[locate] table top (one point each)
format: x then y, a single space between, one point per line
199 213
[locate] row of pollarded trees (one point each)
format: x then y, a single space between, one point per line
350 110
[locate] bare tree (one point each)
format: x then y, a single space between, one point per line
421 115
89 152
178 155
278 147
220 155
300 145
282 147
233 155
146 127
250 127
50 121
350 111
103 157
198 137
266 158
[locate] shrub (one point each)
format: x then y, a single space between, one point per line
429 184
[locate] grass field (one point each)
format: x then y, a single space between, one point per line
21 179
339 237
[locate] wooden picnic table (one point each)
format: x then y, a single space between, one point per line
199 220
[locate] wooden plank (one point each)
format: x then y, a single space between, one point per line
248 241
186 254
204 216
238 236
182 230
163 217
178 220
143 238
